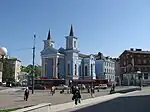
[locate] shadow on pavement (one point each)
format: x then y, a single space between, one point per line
122 104
20 100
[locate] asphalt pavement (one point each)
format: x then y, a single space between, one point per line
134 102
12 98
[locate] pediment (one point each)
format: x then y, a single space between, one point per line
49 50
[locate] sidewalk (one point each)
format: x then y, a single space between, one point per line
69 107
10 90
84 103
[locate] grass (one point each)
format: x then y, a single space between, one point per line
8 110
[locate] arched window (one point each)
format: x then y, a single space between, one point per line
85 70
75 44
80 70
91 70
68 68
75 69
45 69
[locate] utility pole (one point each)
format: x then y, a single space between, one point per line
33 64
92 90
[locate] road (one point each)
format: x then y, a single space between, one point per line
134 102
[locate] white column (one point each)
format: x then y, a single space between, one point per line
43 67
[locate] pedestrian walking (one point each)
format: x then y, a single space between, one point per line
53 90
26 94
77 96
92 92
112 89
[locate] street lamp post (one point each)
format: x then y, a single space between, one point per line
140 78
33 65
3 53
70 84
92 81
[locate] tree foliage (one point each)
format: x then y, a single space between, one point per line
29 69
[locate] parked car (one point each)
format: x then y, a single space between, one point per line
38 87
101 86
60 87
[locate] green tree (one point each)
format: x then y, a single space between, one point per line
29 70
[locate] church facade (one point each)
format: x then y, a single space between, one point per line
66 63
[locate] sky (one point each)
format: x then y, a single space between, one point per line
107 26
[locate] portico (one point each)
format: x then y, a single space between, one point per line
53 64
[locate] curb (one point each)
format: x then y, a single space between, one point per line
84 103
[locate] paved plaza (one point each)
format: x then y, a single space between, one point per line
14 99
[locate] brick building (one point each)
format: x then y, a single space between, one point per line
132 61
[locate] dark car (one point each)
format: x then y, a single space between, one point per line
38 87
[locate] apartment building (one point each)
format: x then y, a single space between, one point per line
14 65
133 61
105 67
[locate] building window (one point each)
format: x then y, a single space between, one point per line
80 70
145 69
75 69
91 70
68 43
145 75
69 69
75 44
45 69
124 63
85 70
139 61
124 69
51 45
144 61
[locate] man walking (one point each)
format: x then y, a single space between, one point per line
26 94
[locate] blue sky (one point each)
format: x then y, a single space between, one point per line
108 26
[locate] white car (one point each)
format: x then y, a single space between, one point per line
62 87
101 86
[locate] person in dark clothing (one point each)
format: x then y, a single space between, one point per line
26 94
76 96
113 87
73 90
